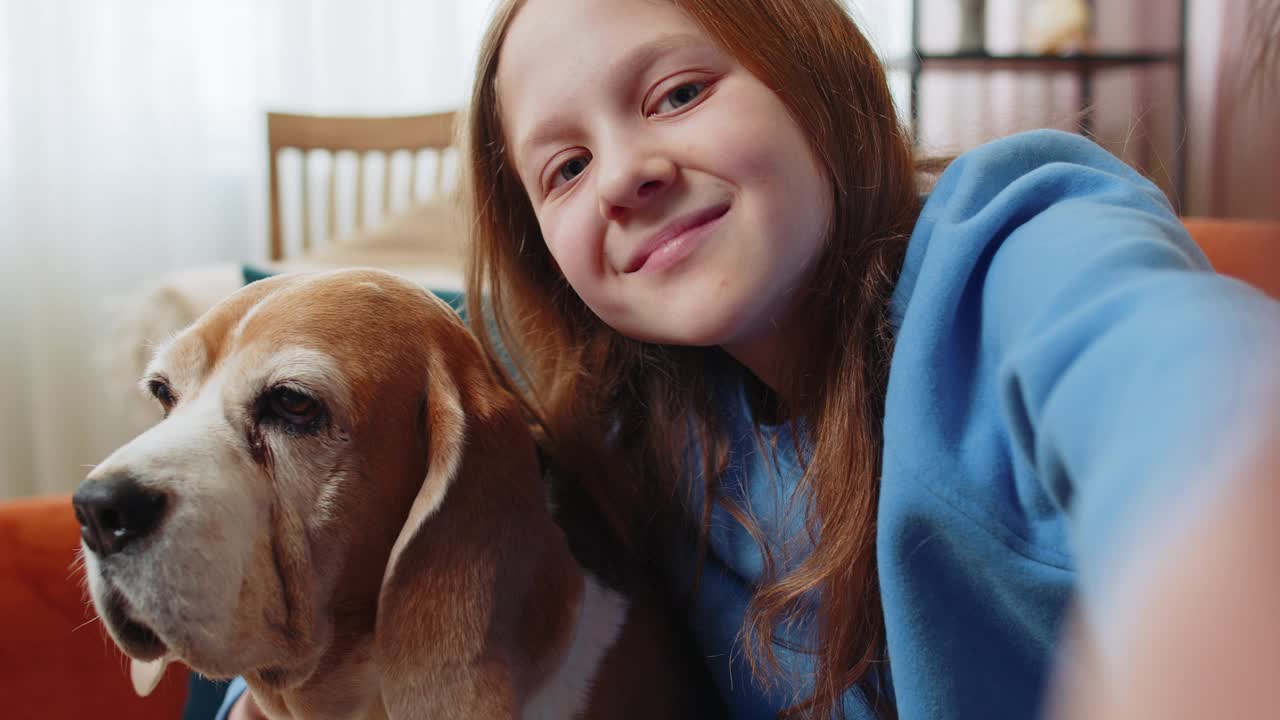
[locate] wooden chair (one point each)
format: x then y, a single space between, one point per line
362 136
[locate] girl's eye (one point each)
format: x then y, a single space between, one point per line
571 169
679 97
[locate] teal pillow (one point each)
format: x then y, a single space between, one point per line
204 697
454 297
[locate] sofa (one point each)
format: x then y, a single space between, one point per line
56 661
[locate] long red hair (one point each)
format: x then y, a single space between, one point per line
603 400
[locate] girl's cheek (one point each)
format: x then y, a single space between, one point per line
753 160
569 239
745 128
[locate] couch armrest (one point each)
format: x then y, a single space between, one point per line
56 660
1245 249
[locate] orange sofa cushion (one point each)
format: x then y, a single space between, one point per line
1245 249
56 660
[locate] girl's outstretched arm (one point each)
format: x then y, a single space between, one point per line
1072 388
1203 637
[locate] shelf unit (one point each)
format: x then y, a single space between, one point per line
1085 65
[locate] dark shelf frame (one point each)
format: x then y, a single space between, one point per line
1084 65
1073 60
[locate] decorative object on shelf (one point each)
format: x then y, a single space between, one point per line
1058 27
973 25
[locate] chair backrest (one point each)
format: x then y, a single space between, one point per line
362 137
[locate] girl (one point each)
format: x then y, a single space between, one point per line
877 442
896 432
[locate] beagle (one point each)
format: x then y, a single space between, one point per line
343 506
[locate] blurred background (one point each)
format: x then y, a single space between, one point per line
134 164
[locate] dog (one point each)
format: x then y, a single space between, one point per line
344 506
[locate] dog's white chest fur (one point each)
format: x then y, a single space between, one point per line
568 690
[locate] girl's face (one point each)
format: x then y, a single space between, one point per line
676 193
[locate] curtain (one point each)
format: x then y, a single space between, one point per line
1242 112
132 143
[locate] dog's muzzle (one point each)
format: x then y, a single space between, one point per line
116 512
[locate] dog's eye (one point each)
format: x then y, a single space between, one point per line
294 407
162 393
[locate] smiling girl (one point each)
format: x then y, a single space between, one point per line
882 439
877 441
660 190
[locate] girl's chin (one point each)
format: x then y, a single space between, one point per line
685 319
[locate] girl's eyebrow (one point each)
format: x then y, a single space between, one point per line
629 66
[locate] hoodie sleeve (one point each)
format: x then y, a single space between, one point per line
1126 373
234 691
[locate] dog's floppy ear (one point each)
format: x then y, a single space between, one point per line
446 426
434 606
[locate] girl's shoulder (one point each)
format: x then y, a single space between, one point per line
1027 150
1028 170
1023 215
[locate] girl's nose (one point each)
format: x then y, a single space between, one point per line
633 181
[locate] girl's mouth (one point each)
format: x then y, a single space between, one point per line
676 240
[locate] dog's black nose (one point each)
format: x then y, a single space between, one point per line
116 511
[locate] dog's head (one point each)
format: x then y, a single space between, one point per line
313 423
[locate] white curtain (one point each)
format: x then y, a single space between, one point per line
132 143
